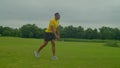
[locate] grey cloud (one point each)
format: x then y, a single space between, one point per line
77 11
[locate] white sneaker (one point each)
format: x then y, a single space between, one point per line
36 54
54 58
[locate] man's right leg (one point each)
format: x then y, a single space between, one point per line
41 47
36 53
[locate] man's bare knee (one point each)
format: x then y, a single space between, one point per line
45 43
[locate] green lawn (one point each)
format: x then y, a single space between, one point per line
18 53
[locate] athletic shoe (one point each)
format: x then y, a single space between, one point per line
54 58
36 54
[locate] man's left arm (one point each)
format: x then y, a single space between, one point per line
57 32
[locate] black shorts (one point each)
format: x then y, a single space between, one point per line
49 36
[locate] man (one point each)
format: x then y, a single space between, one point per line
51 33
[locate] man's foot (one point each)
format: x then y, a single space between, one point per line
36 54
54 58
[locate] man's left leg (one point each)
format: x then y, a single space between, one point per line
53 50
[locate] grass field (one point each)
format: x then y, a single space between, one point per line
18 53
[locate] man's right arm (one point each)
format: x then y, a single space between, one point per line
54 31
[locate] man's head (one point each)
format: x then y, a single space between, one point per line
57 16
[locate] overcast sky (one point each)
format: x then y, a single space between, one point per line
86 13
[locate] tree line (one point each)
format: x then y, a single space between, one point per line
33 31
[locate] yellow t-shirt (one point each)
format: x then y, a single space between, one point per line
53 22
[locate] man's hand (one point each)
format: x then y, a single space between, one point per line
58 37
56 33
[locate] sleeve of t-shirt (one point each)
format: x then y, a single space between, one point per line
51 23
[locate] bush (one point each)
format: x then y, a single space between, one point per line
112 44
0 35
83 40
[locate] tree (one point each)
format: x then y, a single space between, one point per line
7 31
61 30
70 32
80 32
17 33
30 31
1 30
89 33
106 33
39 33
116 32
95 34
33 31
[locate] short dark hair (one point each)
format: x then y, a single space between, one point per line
57 14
